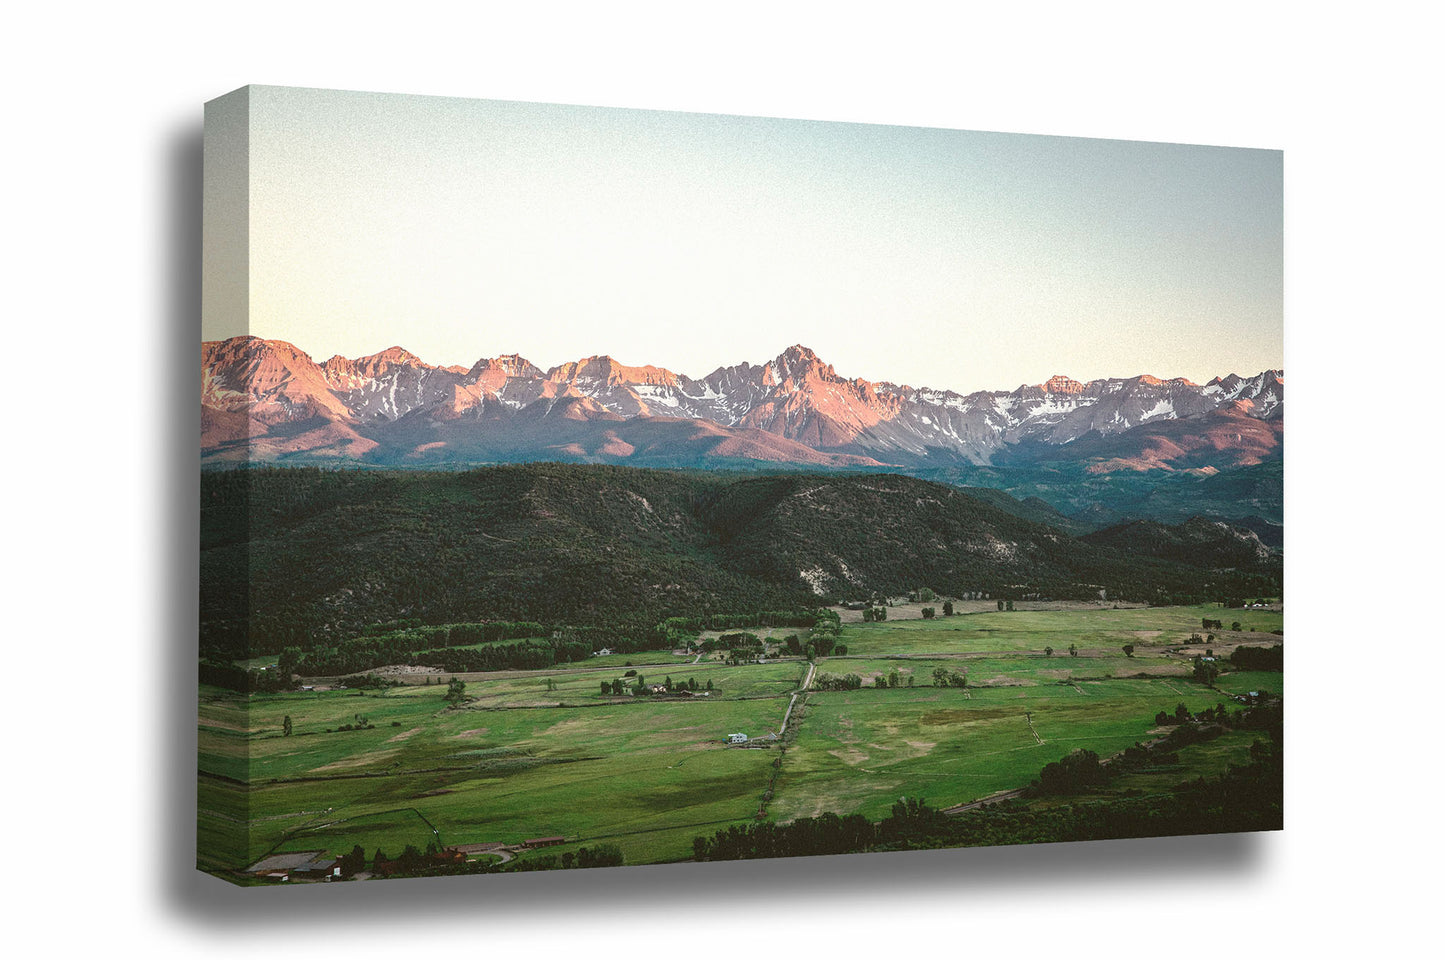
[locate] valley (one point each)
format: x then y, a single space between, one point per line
549 753
543 666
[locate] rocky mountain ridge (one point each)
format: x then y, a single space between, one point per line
268 400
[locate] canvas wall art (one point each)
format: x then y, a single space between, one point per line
590 487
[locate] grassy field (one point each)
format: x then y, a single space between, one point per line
647 775
857 752
529 688
1093 631
540 753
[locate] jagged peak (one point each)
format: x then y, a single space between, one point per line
1059 383
799 359
607 368
392 354
512 364
252 346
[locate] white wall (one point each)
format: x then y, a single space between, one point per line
102 228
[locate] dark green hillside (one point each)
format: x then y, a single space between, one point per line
852 535
1029 508
1198 542
1242 495
307 557
330 553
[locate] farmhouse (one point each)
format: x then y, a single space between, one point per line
316 870
302 865
543 842
737 738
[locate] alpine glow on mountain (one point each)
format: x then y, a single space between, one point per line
265 400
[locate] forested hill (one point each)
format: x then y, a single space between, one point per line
1199 541
307 556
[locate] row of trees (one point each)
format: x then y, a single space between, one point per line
827 681
436 861
1219 713
617 688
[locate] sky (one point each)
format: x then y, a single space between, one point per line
463 229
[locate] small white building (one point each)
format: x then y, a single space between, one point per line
737 738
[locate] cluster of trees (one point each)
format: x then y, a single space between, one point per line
689 685
804 837
436 861
827 681
944 677
740 646
617 688
602 855
1075 773
228 676
456 692
361 723
1258 658
852 681
1217 714
412 862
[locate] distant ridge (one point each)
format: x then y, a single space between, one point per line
266 400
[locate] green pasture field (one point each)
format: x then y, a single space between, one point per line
528 688
1243 681
625 661
518 761
648 776
857 752
1093 631
1023 669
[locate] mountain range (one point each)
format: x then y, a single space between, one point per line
266 400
